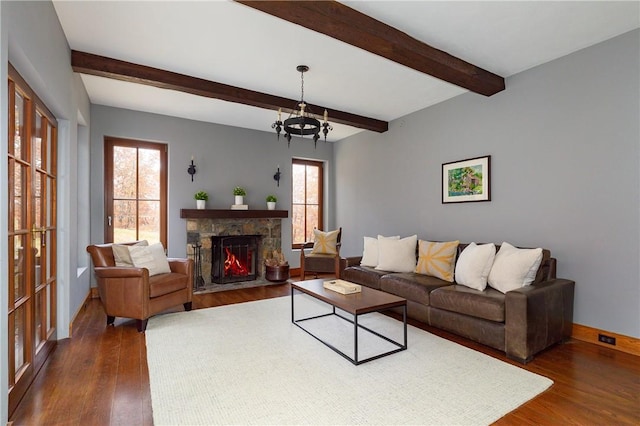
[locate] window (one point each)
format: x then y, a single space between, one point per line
306 200
135 191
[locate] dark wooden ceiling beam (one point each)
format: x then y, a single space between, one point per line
350 26
88 63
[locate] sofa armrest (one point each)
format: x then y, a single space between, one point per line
353 261
537 316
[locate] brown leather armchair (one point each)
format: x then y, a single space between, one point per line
323 263
129 292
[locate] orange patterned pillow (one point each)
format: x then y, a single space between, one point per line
437 259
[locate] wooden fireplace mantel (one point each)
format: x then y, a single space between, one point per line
232 214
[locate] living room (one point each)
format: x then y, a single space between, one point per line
563 139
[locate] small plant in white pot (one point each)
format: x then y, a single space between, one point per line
239 193
201 199
271 202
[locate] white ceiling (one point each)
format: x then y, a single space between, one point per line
233 44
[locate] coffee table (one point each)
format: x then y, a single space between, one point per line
356 304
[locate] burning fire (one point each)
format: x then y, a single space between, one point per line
233 266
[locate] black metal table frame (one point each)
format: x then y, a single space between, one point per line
354 360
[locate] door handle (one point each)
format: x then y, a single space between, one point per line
109 220
43 235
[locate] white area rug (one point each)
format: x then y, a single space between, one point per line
248 364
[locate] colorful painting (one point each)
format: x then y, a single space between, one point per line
466 180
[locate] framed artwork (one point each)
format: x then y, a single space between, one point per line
467 180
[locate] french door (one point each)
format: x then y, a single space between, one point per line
32 163
135 176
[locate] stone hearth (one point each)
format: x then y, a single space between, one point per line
201 229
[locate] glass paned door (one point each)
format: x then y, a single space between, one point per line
31 235
44 229
20 359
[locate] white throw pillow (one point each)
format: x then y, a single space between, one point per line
151 257
121 253
514 268
397 255
370 252
474 264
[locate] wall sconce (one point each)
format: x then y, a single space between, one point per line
276 177
192 169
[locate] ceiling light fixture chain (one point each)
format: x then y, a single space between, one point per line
302 122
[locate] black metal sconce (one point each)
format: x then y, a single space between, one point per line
192 169
276 177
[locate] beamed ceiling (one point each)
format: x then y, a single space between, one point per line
234 63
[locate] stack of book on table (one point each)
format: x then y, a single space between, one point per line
239 207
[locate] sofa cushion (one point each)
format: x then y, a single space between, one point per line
167 283
370 251
397 255
487 304
514 268
363 275
411 286
474 264
437 259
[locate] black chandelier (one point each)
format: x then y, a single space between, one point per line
302 122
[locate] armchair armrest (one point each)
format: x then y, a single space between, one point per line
181 266
307 245
124 291
119 272
538 316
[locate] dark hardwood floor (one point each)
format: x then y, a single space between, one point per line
100 377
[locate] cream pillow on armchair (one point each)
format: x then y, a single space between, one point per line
151 257
325 242
121 253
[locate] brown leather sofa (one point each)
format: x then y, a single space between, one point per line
521 322
129 292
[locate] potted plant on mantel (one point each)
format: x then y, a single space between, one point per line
271 202
276 267
201 199
239 192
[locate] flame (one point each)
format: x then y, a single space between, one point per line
233 266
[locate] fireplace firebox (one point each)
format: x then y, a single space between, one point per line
234 258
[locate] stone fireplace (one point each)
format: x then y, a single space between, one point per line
202 225
234 258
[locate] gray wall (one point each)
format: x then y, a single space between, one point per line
564 140
33 41
225 157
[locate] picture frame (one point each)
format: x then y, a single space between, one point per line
467 181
